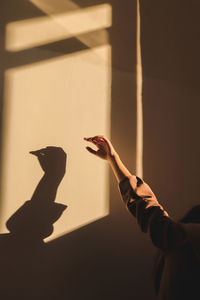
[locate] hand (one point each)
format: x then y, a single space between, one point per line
52 160
105 148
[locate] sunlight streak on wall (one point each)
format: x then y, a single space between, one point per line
50 7
139 144
25 34
57 103
55 7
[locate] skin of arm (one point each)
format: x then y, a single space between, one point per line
119 169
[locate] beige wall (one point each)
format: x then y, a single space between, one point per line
87 74
56 102
171 101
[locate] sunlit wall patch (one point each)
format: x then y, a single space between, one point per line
57 102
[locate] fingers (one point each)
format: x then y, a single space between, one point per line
91 150
91 139
96 140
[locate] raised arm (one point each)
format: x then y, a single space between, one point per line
140 199
126 180
106 151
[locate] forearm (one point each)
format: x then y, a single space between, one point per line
119 169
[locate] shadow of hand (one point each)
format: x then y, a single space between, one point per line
52 160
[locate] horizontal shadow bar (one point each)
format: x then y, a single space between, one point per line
87 3
56 49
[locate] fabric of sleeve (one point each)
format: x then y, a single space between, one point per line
151 217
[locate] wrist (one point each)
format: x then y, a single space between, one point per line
113 157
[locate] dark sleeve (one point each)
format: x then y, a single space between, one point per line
151 217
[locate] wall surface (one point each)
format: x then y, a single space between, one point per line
170 47
77 59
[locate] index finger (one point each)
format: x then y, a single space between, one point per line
92 140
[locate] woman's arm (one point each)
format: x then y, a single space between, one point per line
126 180
107 152
140 199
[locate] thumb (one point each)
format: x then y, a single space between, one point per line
91 150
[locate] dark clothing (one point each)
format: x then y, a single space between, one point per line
178 265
